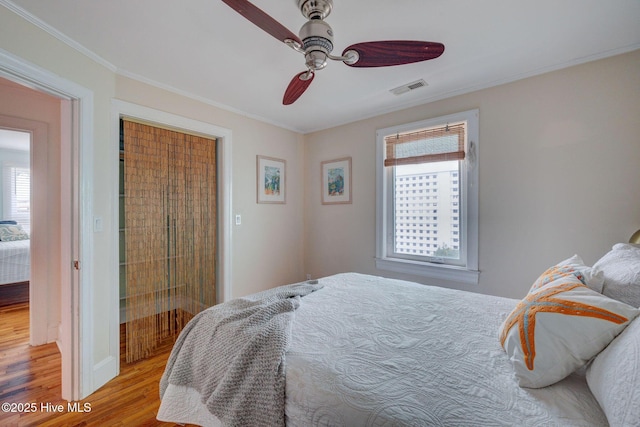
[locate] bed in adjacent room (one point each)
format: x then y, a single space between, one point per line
15 263
359 350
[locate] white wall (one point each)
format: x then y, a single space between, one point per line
558 171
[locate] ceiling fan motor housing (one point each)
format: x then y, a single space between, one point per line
317 39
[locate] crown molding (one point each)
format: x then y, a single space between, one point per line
57 34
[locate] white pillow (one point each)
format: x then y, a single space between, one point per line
12 232
614 378
558 328
621 271
591 277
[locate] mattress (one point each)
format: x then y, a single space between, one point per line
370 351
15 260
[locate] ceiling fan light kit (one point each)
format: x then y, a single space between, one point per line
316 44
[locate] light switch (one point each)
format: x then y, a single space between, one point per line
238 220
97 224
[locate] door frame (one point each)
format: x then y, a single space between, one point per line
41 331
76 340
122 109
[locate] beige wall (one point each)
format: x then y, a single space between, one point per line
559 174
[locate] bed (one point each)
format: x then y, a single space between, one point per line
361 350
15 261
15 254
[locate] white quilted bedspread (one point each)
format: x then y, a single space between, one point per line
368 351
15 260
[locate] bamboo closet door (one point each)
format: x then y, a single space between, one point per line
170 233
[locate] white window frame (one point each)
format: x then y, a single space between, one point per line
468 274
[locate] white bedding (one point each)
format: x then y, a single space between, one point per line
15 260
368 351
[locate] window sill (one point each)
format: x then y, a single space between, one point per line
433 271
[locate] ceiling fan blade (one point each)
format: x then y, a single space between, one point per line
393 52
262 20
297 86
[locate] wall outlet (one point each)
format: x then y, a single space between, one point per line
308 276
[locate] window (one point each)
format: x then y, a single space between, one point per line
441 152
17 195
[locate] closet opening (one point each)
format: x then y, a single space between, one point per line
168 232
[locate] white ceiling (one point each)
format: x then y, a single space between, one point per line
204 49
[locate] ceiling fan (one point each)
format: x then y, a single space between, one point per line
316 43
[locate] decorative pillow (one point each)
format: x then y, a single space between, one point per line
614 378
591 277
11 232
558 328
621 271
8 221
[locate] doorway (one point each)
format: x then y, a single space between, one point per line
73 127
168 229
15 216
30 199
223 136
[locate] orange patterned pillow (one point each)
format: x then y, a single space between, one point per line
572 266
558 328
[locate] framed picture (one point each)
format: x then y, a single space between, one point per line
272 180
336 181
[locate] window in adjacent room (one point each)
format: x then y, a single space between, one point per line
17 194
427 182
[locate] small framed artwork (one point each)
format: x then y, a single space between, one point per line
272 179
336 181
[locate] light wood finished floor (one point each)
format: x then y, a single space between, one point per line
31 375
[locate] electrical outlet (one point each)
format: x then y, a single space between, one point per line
308 276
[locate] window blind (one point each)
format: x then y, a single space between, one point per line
429 145
17 190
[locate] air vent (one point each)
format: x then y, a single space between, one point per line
408 87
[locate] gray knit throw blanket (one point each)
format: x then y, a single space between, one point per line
233 355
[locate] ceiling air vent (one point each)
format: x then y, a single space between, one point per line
408 87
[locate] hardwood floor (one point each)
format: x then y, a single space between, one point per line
30 376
